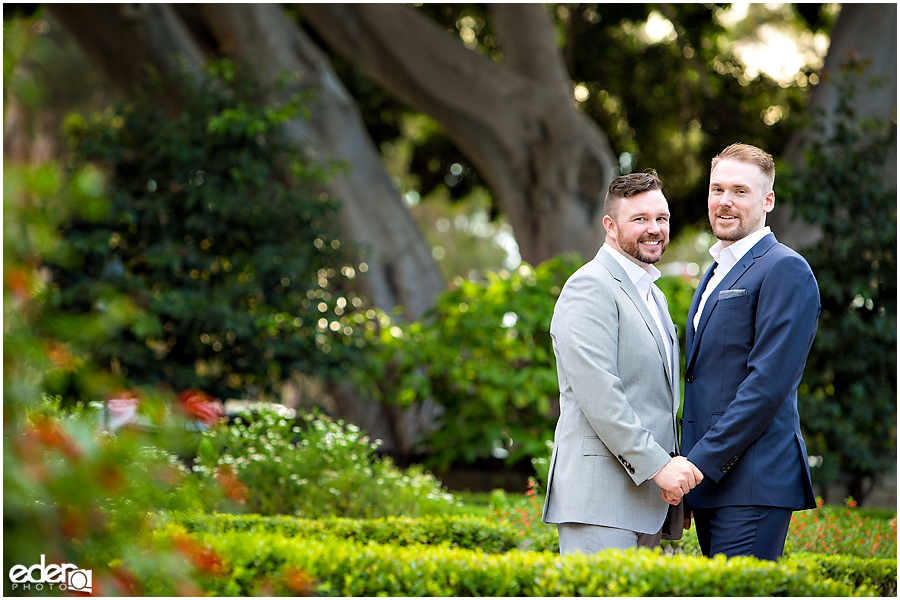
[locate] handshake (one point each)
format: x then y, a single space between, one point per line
677 478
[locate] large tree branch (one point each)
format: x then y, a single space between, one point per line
547 163
403 271
123 39
528 43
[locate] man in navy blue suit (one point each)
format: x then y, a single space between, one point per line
750 327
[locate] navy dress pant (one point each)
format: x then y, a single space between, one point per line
758 531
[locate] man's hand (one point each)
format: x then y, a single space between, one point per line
677 478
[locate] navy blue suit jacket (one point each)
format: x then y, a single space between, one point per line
743 366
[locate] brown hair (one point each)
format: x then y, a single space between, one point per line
629 185
748 154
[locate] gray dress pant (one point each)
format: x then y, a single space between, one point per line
590 539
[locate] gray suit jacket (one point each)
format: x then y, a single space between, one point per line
618 402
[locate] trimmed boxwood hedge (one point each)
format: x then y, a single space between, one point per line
269 563
461 555
460 531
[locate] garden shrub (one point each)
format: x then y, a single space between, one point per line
314 466
856 572
251 561
71 492
81 496
216 226
458 531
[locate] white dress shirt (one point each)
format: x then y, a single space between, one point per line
643 279
726 257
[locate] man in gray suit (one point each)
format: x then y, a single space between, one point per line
615 450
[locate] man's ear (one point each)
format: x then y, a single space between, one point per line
609 225
769 201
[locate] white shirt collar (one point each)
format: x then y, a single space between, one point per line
634 271
739 248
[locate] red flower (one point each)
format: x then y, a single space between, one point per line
126 582
231 484
205 559
52 435
298 581
200 405
19 281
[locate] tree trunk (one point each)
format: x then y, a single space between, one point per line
402 272
867 32
121 39
548 164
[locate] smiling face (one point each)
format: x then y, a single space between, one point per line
641 227
740 195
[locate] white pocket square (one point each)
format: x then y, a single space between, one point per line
724 294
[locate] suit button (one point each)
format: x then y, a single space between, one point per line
689 379
724 469
631 469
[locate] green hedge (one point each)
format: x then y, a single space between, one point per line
491 537
460 531
249 563
852 570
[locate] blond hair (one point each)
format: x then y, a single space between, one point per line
748 154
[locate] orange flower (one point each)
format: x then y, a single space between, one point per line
231 484
298 581
205 559
62 357
52 435
126 581
200 405
19 281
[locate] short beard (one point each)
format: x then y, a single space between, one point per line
633 249
734 236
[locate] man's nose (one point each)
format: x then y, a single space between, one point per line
653 227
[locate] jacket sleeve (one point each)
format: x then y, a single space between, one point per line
785 324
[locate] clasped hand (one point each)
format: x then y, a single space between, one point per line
677 478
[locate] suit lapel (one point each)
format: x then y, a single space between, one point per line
662 305
736 272
618 273
690 334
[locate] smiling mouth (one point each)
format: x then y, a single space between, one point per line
653 243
